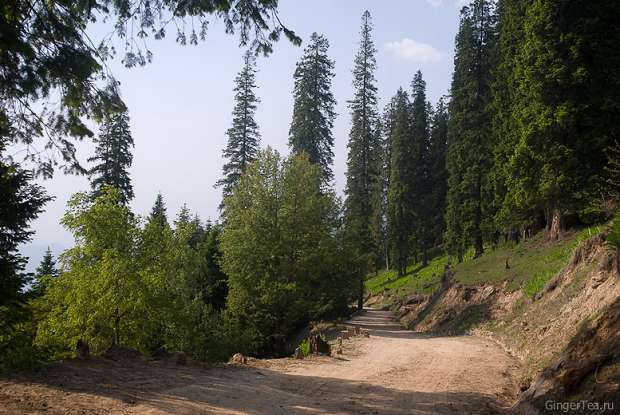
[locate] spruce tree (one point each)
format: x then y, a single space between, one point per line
184 218
400 212
387 130
113 156
364 158
470 135
21 202
564 108
313 108
244 135
438 173
420 162
158 212
511 14
47 268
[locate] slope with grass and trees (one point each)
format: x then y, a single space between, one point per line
493 210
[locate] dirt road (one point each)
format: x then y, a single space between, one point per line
392 372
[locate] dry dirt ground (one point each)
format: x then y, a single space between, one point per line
392 372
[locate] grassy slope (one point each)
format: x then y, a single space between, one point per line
532 263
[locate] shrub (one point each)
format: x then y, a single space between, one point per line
304 346
613 239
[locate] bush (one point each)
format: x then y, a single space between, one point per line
304 346
613 239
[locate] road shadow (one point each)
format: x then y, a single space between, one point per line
168 388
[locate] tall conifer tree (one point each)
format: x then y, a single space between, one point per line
21 202
438 173
244 135
364 159
420 161
158 212
313 108
113 153
564 107
470 136
511 15
400 213
47 268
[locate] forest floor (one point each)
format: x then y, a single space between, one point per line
393 371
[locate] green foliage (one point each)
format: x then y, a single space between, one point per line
20 203
470 139
152 288
243 136
534 259
113 155
556 103
363 208
46 270
402 176
304 346
613 239
282 250
532 264
99 297
48 59
438 174
537 282
422 186
418 278
313 107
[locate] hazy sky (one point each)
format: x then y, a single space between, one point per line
180 104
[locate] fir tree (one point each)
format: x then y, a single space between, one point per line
420 160
387 130
313 108
184 218
364 158
438 172
471 139
21 202
244 135
158 212
400 213
46 269
113 153
564 107
511 15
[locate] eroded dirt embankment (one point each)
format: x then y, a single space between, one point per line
566 337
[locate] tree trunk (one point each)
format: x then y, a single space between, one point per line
554 224
360 297
478 247
117 328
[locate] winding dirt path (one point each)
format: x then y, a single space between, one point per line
393 372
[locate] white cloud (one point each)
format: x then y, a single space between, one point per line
435 3
440 3
414 51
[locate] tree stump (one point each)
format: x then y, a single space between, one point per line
82 350
319 346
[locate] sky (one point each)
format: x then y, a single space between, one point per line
180 104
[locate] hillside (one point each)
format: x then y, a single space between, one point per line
537 307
